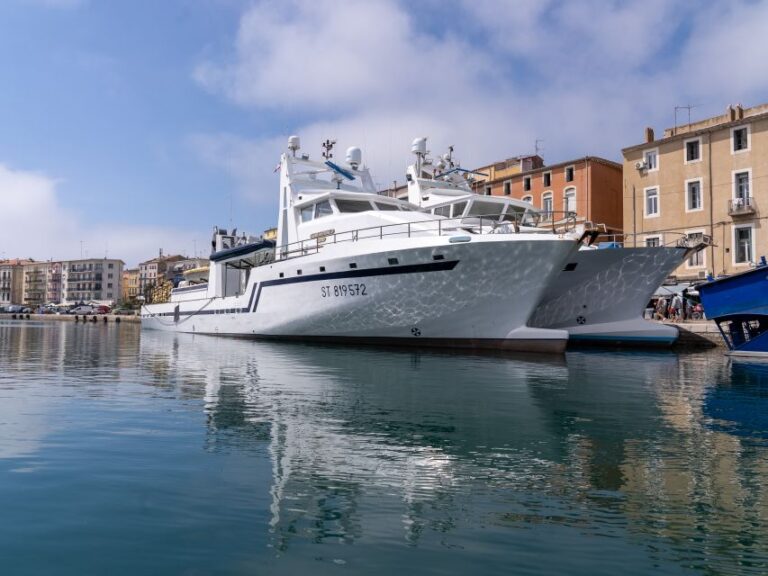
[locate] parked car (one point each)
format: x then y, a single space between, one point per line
124 312
102 310
15 309
85 309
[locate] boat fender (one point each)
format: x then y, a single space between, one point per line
455 239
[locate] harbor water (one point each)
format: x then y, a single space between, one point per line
129 452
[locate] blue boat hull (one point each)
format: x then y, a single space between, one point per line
739 306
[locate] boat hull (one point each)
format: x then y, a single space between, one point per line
420 291
600 296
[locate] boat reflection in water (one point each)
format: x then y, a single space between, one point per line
610 456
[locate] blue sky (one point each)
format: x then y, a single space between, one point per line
137 125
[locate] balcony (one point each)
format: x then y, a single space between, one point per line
741 206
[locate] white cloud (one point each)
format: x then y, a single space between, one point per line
35 224
490 77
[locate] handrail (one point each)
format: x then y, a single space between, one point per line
481 224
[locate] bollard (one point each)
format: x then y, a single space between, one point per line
27 316
117 319
93 319
14 316
105 319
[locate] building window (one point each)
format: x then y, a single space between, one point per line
741 186
651 158
652 241
110 265
527 183
696 259
528 199
740 139
743 248
651 202
546 205
547 179
693 199
507 188
692 150
569 200
569 174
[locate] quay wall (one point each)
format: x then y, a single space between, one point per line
110 318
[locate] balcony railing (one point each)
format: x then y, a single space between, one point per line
741 206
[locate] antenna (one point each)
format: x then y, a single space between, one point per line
537 147
327 147
688 107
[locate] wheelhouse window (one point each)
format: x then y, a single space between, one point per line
693 150
458 209
385 206
323 209
480 208
307 213
651 202
347 206
743 249
514 214
442 211
693 196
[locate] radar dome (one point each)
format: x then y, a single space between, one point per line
294 143
419 146
354 156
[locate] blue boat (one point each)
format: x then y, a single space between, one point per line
739 306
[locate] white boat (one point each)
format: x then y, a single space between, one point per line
352 265
599 295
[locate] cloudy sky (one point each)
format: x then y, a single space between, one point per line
129 126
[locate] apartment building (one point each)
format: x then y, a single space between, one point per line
42 283
705 178
91 280
153 270
589 187
130 284
12 281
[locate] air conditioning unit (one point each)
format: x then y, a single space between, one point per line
702 274
640 165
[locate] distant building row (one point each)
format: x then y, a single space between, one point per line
102 280
65 282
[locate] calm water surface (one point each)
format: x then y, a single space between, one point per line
142 453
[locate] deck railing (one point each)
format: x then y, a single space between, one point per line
485 224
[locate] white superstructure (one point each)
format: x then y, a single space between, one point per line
598 295
350 264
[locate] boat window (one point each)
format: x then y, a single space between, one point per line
514 214
352 205
479 208
306 213
443 211
323 209
384 206
458 209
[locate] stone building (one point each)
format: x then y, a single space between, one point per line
130 284
42 283
704 178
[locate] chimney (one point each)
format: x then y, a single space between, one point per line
739 112
649 134
730 113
